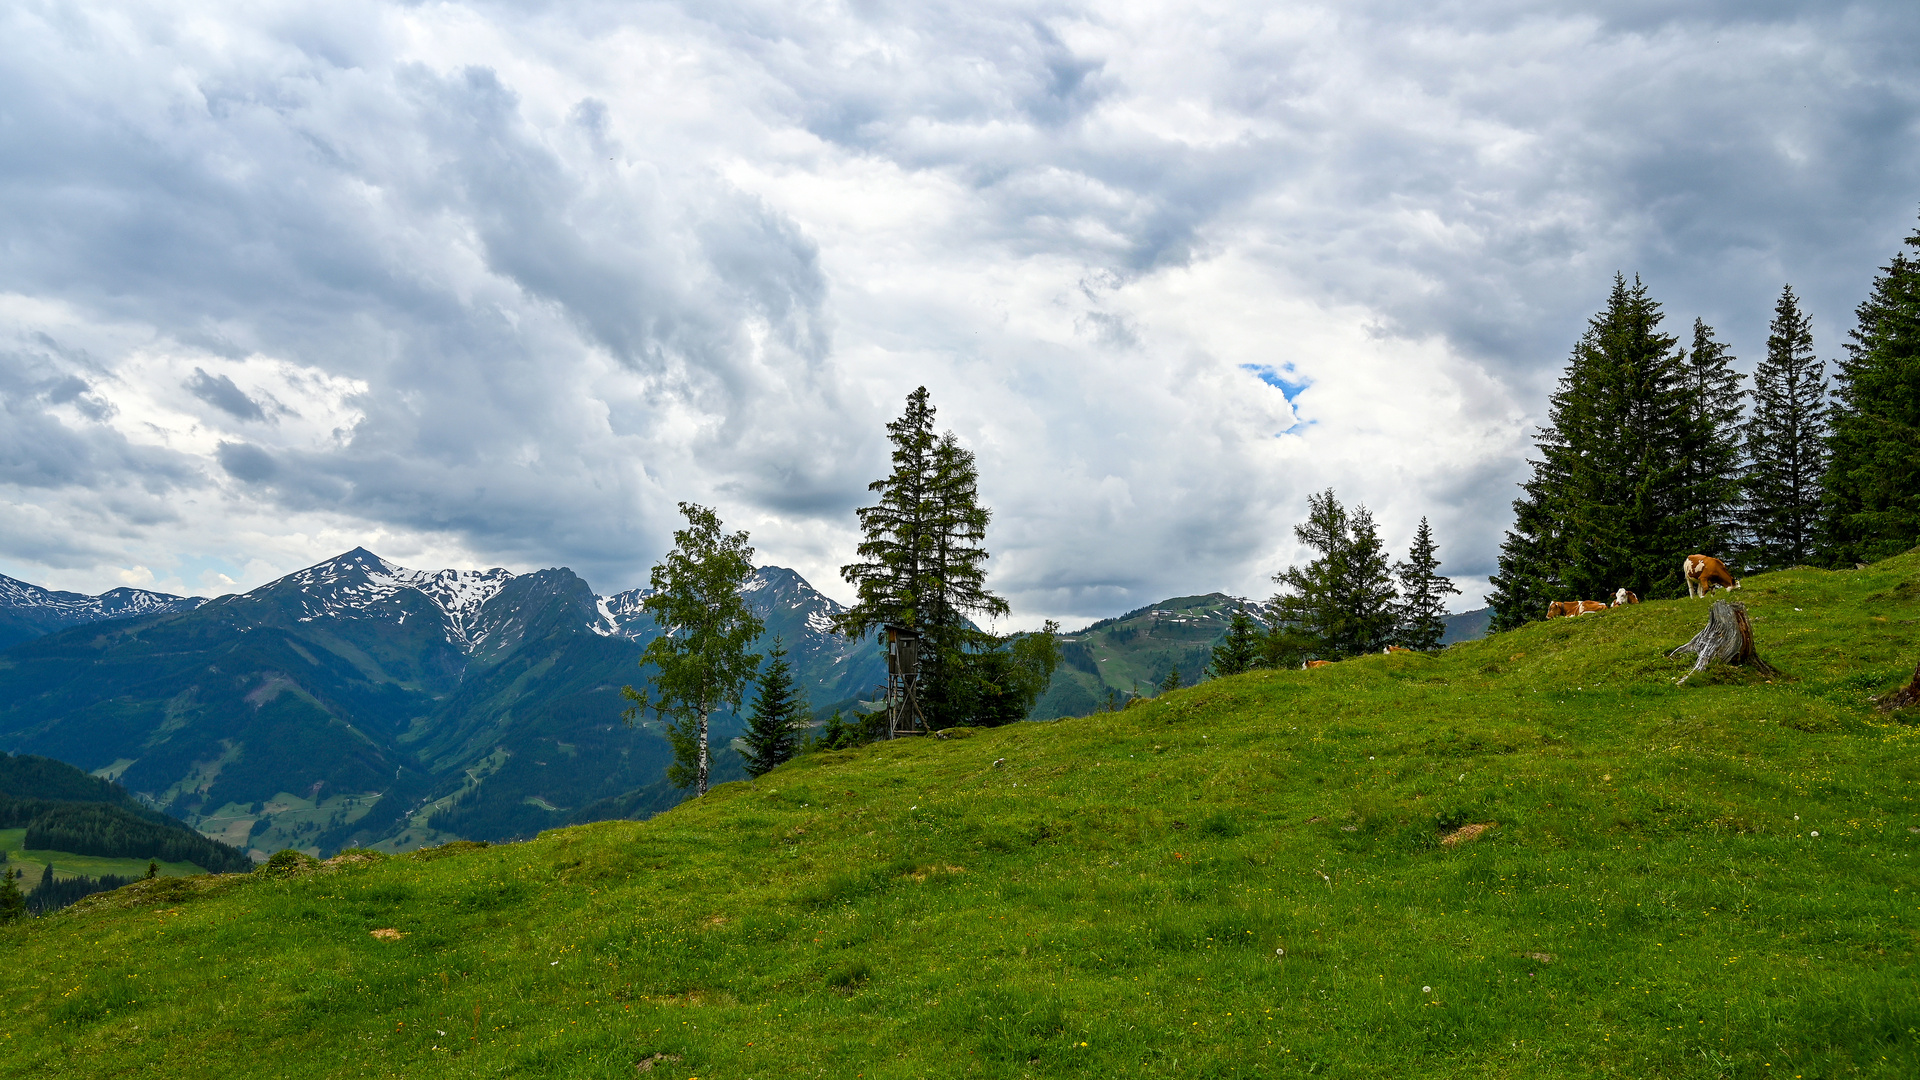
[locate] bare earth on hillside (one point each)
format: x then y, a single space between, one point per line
1465 833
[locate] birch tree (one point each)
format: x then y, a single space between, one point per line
706 631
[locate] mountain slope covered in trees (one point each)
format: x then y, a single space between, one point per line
361 702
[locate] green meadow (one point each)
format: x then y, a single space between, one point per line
68 865
1243 879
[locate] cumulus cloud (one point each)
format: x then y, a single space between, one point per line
480 284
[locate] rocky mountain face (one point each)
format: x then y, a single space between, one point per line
29 611
357 701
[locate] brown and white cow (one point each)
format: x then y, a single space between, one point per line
1570 608
1623 596
1395 649
1315 664
1703 572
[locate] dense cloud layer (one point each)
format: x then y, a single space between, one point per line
477 285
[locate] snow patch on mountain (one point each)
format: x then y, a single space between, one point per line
352 585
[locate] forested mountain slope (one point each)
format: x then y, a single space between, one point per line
357 701
63 811
1264 875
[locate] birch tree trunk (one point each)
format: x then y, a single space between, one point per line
701 771
1727 638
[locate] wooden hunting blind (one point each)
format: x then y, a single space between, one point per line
903 681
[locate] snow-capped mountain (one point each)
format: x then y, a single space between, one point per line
360 584
28 611
483 704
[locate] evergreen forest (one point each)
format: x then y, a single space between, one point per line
1656 448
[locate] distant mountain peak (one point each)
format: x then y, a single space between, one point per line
28 611
354 582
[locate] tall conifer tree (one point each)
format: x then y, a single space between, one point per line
1785 444
1872 485
922 561
1710 454
1422 612
1341 603
1605 506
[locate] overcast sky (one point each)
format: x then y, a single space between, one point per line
479 285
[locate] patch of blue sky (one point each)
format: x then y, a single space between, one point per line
1285 380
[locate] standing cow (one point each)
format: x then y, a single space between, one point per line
1703 572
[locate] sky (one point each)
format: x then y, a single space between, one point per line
484 285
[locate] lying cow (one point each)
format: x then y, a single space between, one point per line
1623 596
1315 664
1570 608
1703 572
1395 649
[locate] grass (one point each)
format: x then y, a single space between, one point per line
1245 878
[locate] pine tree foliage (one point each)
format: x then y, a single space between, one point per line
703 658
922 564
1607 505
1710 455
1171 681
1422 611
1785 444
779 712
1872 484
13 904
1239 651
895 551
1342 603
1005 676
1528 577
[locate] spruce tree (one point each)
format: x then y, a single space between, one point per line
701 656
1239 651
1785 444
1342 603
1605 506
13 905
1872 507
922 564
1710 454
779 711
1171 681
1422 612
1527 577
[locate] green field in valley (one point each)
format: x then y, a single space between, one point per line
67 865
1245 878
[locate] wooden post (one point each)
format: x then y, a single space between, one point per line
1727 638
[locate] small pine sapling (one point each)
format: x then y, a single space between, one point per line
1239 651
1172 680
773 729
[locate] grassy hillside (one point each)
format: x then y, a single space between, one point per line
1714 880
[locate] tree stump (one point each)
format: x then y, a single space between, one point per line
1903 697
1727 639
